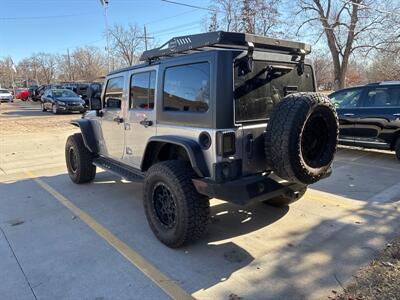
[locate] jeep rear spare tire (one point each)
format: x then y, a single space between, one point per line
301 137
176 212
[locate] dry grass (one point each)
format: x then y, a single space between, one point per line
379 280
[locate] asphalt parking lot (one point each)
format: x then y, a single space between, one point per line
59 240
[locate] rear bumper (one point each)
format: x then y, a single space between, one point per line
246 189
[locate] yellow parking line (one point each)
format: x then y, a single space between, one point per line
164 282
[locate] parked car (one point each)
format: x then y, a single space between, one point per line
37 95
32 89
93 91
86 90
62 100
196 121
22 94
369 115
5 96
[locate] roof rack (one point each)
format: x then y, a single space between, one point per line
222 39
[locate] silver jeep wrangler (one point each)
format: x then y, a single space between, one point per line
226 115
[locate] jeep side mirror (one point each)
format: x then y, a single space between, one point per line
95 103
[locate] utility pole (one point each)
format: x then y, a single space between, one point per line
104 3
145 38
70 71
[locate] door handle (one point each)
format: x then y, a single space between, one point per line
119 120
146 123
348 115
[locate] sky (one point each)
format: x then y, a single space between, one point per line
53 26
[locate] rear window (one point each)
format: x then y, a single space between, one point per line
187 88
257 92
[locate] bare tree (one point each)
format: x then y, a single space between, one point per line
349 26
251 16
323 69
89 63
6 72
126 42
213 23
47 66
385 66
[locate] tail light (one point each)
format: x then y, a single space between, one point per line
226 143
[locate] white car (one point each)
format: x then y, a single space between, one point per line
5 95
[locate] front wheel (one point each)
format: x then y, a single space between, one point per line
176 212
54 109
43 107
79 160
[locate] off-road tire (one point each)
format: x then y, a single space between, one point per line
301 137
80 168
43 108
397 148
192 210
285 200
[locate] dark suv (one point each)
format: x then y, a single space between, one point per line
370 115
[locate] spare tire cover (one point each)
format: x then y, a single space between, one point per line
301 137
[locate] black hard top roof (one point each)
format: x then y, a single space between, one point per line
222 39
216 40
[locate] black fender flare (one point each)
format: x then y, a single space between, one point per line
191 147
87 134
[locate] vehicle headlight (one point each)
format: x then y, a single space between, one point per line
61 103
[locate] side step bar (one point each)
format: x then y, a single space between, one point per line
125 172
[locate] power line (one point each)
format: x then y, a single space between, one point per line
42 17
170 17
190 24
192 6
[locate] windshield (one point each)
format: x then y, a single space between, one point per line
64 93
257 92
4 92
346 98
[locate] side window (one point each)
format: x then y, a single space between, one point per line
113 93
142 90
187 88
347 98
383 97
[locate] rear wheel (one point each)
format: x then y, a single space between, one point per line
54 109
397 148
43 107
287 198
79 160
176 212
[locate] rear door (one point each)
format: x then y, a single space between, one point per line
378 117
140 124
112 121
348 103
